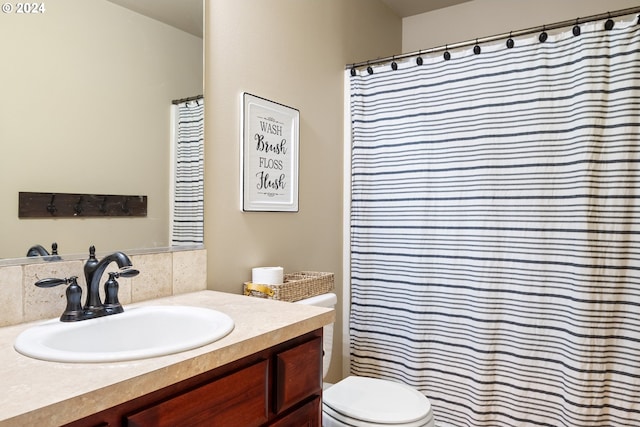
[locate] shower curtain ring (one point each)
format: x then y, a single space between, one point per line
609 24
369 69
543 35
576 28
394 64
476 48
510 42
419 58
446 55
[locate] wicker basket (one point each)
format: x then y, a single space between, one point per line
296 286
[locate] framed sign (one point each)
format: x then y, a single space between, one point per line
270 133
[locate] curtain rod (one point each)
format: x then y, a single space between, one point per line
510 34
191 98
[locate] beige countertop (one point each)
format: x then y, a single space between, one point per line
40 393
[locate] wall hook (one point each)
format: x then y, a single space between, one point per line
125 205
103 205
77 209
51 207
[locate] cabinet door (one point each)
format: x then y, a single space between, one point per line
298 374
238 399
308 415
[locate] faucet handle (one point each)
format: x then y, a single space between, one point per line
111 303
51 282
73 311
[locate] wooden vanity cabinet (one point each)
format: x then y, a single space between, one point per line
280 387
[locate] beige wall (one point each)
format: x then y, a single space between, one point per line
86 94
293 52
484 18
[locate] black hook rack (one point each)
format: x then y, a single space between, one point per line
68 205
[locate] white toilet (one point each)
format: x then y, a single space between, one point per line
367 402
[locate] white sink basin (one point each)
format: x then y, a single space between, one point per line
137 333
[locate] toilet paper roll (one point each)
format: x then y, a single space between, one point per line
267 275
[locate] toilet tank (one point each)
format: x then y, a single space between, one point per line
328 300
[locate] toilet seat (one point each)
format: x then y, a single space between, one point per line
368 402
332 419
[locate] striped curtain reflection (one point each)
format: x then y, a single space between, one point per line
188 199
495 229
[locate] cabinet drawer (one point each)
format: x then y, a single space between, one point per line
239 399
298 374
308 415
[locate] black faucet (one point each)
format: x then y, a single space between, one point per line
93 271
39 250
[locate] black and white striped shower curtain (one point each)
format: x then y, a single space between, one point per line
495 229
187 225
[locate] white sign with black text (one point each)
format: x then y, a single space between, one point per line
270 133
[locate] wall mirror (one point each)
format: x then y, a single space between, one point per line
87 88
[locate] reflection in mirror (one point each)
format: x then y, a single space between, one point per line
87 88
40 251
187 191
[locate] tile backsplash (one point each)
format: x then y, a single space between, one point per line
161 274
